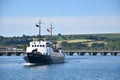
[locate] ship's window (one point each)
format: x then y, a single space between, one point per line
40 45
43 45
32 45
37 45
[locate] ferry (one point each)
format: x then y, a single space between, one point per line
42 51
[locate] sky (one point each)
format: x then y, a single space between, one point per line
18 17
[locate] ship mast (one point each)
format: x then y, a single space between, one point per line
51 28
39 25
51 31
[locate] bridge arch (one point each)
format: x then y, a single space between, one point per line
87 54
99 54
118 54
75 54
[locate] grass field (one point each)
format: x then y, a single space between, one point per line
85 41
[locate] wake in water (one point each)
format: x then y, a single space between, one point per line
33 65
28 64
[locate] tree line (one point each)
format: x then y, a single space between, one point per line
113 41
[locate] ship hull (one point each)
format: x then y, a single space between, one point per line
43 59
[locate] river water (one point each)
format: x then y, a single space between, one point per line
74 68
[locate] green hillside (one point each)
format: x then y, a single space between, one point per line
78 41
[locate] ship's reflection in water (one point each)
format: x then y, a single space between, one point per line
74 68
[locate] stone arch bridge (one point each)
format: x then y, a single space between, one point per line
68 52
91 52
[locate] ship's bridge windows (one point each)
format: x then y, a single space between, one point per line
42 45
38 45
35 45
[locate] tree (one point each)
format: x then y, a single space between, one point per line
1 38
98 46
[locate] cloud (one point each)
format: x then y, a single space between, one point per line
62 24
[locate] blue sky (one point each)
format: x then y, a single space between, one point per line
18 17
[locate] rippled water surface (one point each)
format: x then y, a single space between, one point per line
74 68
